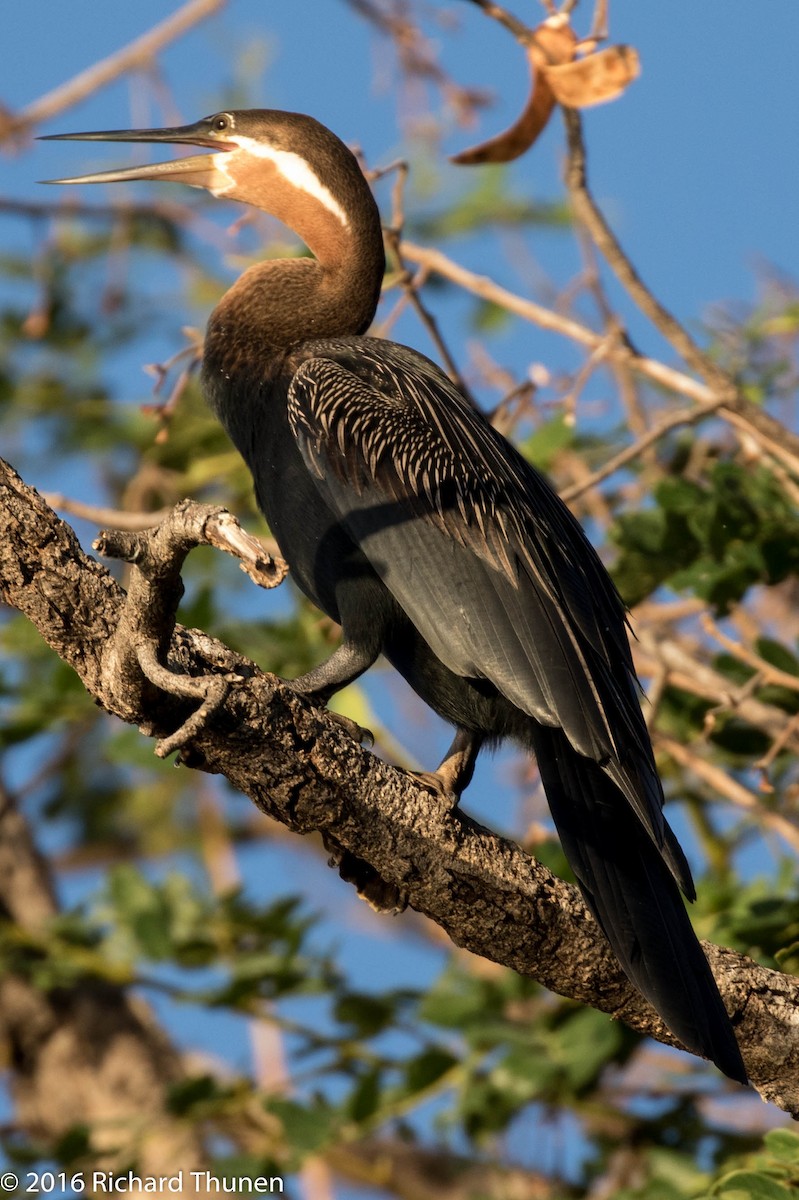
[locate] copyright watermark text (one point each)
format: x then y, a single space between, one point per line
129 1182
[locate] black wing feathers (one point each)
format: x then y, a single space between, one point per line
387 428
502 584
627 887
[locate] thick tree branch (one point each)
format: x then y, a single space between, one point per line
298 766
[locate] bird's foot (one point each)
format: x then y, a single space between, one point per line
363 736
309 686
455 771
439 784
370 885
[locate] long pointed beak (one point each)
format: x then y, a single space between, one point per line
198 170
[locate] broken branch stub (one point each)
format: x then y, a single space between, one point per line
136 656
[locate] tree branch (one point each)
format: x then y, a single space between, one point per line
299 767
137 54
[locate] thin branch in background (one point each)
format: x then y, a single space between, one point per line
722 785
417 55
683 417
685 660
628 392
136 55
165 411
600 22
597 356
523 33
767 760
772 436
545 318
411 284
731 702
655 692
592 499
769 674
116 518
592 218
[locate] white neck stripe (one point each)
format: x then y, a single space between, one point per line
221 166
295 169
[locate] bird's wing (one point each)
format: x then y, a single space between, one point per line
486 561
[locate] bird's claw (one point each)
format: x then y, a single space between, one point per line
439 785
363 736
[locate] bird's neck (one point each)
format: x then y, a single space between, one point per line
276 306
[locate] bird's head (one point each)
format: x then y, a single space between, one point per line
285 163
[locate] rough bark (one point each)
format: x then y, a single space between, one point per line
301 768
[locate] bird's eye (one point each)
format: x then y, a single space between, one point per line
221 123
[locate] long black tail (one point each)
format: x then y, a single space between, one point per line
635 900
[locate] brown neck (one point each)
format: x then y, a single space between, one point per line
277 305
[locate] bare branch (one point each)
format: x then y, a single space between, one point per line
606 241
298 766
138 54
685 416
545 318
726 788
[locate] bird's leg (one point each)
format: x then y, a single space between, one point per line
344 666
455 771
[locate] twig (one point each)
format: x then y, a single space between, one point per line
769 673
100 515
412 283
606 241
769 434
545 318
764 763
685 416
137 54
599 22
655 693
689 674
595 358
521 32
723 785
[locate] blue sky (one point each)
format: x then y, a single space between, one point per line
697 165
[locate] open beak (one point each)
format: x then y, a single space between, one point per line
198 170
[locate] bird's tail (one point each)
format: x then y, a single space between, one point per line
635 900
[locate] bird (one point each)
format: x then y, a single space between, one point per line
429 539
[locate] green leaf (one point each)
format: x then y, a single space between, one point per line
365 1097
193 1093
752 1185
368 1015
306 1129
549 439
427 1068
783 1144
